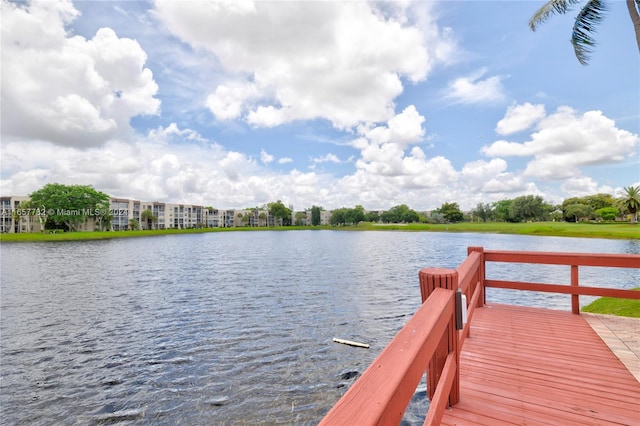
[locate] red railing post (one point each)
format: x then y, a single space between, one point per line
430 279
482 299
452 334
575 298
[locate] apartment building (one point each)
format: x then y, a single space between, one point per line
14 218
163 215
126 214
303 218
123 211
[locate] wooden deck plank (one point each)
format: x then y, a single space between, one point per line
565 405
511 412
536 366
534 381
527 364
514 412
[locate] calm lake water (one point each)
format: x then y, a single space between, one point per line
227 328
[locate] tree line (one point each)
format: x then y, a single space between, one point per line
526 208
599 207
56 200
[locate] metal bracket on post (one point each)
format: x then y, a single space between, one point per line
459 325
461 309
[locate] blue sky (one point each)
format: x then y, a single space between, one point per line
239 103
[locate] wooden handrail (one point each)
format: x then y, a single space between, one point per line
468 269
470 282
555 258
574 260
565 289
381 395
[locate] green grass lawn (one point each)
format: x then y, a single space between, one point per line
613 306
105 235
561 229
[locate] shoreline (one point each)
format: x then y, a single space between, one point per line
626 231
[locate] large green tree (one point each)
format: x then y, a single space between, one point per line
595 202
528 207
607 213
501 210
630 201
338 217
451 212
279 211
577 212
345 216
355 215
68 206
400 214
586 22
373 216
315 215
599 201
483 211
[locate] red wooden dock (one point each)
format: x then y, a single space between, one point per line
506 364
538 366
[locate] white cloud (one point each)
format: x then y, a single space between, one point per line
233 165
173 133
389 168
403 129
509 185
329 158
285 160
582 186
491 181
266 158
226 103
502 148
473 90
169 164
480 170
520 117
383 150
340 61
66 89
566 141
180 165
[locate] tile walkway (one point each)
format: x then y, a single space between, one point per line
622 335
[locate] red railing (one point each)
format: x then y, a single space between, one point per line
574 260
434 336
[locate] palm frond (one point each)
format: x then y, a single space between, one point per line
550 8
586 24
